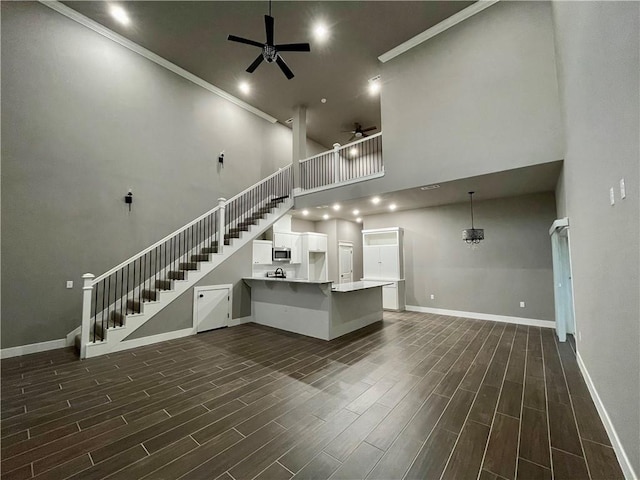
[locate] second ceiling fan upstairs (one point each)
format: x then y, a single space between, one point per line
271 52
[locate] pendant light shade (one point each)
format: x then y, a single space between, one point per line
472 235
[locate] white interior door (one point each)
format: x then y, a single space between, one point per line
563 288
345 255
212 307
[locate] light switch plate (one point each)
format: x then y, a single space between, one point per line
623 192
69 283
612 197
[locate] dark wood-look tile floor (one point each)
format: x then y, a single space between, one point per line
416 396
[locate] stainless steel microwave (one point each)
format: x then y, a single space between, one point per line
281 254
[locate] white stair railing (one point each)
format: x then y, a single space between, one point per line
123 289
354 162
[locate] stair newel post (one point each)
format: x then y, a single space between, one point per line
87 291
336 163
221 223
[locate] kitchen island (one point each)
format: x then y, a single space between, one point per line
316 309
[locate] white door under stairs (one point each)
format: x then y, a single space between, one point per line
212 307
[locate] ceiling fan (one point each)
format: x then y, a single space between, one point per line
358 131
271 52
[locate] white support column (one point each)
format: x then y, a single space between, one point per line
221 219
336 163
87 291
299 142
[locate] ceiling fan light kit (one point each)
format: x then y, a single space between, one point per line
270 51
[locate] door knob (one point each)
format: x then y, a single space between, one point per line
201 295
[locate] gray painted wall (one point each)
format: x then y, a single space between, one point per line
179 314
479 98
301 225
513 264
598 66
83 120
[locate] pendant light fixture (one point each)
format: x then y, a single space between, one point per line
472 236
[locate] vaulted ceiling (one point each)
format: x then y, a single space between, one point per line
193 35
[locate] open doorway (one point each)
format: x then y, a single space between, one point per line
563 286
345 262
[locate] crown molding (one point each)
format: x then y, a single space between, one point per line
438 28
149 55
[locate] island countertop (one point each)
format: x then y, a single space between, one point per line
285 280
361 285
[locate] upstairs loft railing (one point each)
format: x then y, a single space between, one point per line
354 162
122 290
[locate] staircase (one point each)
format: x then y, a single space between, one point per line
120 301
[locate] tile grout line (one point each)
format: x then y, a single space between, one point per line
495 410
466 419
546 402
524 384
278 462
575 421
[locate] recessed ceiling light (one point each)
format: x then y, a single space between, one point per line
374 85
353 152
358 219
289 120
119 14
336 207
244 87
392 206
430 187
305 212
375 200
325 217
320 32
356 211
323 100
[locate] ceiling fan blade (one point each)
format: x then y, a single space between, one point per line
268 26
294 47
233 38
285 69
368 129
255 63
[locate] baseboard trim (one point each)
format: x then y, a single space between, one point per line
71 336
33 348
234 322
625 464
151 339
533 322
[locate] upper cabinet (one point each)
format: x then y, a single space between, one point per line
262 252
383 257
316 242
289 240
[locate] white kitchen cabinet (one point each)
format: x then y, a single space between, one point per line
262 252
383 259
317 242
314 257
289 240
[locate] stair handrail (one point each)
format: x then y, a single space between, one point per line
155 245
255 185
181 229
342 147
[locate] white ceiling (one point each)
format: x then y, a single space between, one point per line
193 35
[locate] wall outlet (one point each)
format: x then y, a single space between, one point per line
579 336
521 304
433 297
612 197
623 191
69 283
